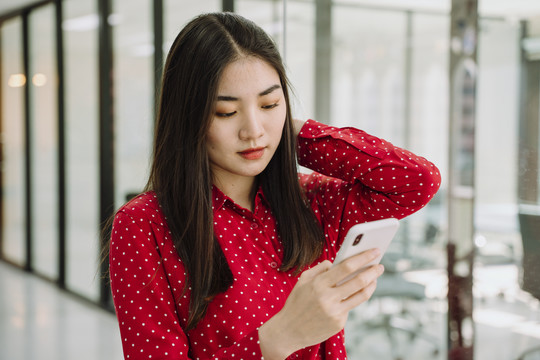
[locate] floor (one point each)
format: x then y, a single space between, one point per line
37 321
506 320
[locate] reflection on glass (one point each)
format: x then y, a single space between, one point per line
81 56
43 114
13 198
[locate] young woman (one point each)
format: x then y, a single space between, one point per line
227 254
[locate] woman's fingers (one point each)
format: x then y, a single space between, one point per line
315 271
355 283
341 271
359 297
361 281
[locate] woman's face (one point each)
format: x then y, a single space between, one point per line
247 125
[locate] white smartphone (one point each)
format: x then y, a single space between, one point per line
365 236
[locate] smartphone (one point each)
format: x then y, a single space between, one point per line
365 236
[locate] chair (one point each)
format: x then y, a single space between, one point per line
529 222
392 285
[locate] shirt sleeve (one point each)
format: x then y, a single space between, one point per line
145 304
359 177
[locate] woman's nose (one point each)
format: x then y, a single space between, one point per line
252 127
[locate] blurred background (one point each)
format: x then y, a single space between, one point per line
78 83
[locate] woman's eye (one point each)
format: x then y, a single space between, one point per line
218 114
271 106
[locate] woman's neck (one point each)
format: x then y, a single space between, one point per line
242 191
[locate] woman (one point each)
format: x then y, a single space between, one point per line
227 253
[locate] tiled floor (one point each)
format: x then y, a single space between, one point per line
37 321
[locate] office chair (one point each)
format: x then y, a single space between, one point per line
529 222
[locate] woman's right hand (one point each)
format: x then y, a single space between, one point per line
317 308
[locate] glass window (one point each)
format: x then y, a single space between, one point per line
176 14
13 144
299 57
496 201
43 114
428 126
80 26
134 94
368 55
267 14
499 312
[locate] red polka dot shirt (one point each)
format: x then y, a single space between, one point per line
356 178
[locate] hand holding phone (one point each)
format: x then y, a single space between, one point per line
365 236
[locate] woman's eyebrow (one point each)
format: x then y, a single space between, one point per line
262 93
269 90
226 98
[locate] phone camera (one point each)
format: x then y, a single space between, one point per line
357 240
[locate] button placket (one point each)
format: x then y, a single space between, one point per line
274 262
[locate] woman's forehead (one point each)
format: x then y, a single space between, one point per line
247 76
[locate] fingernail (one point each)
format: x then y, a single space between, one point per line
375 252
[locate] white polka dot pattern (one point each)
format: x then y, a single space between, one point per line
364 179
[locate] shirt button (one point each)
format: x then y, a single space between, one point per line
273 264
254 225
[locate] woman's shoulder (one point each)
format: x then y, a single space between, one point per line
144 205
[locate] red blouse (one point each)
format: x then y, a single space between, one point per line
365 178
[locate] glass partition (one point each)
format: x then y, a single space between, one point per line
43 115
499 82
266 14
133 43
177 13
82 161
502 308
428 130
368 57
13 144
299 56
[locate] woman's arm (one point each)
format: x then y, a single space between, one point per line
359 177
356 157
145 307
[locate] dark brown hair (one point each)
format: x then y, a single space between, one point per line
180 174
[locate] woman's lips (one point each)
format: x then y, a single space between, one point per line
252 154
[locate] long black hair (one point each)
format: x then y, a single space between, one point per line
180 173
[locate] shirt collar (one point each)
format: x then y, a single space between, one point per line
218 198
